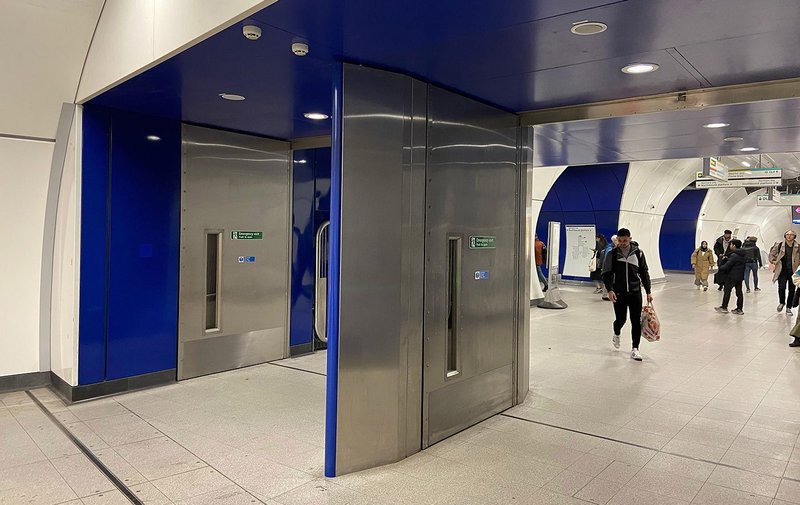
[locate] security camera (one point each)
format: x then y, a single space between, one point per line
300 48
251 32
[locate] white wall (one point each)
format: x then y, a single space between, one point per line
543 180
134 35
24 175
650 188
737 211
66 265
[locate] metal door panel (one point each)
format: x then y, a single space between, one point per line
233 182
471 191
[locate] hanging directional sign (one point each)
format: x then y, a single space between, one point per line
247 235
739 183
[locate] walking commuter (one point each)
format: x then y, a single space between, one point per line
720 248
625 273
609 246
785 259
597 259
540 252
795 333
702 262
753 259
733 269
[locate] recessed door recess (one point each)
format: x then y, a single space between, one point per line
453 304
213 244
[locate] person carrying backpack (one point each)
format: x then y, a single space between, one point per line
753 262
625 273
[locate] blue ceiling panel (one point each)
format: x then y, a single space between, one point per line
516 54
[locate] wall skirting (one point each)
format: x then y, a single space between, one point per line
74 394
21 381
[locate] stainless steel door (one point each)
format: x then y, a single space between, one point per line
234 251
470 249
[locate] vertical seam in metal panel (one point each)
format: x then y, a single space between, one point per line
88 49
424 410
332 383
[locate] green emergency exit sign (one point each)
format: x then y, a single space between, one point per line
247 235
482 242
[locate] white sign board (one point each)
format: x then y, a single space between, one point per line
739 183
553 247
715 169
580 245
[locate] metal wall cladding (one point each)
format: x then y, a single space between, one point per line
233 182
472 190
382 218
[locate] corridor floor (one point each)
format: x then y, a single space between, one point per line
711 416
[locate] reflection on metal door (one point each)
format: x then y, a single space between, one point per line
470 283
234 251
321 283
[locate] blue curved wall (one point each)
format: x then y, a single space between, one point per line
589 194
677 240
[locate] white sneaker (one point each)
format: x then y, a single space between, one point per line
788 311
636 355
615 341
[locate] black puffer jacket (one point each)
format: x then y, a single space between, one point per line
626 274
752 253
733 269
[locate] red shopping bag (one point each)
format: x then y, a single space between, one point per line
651 327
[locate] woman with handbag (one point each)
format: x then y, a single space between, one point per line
702 263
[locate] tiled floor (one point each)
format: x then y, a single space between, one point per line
712 416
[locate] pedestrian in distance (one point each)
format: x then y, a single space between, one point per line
625 274
702 263
733 269
784 258
753 262
795 333
720 249
540 253
596 275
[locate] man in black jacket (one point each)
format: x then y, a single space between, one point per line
733 269
721 247
625 273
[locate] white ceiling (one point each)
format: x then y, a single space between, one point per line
43 44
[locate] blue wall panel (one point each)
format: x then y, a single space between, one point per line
590 194
678 230
93 281
310 208
143 246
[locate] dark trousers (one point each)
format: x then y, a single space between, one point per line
751 267
726 296
542 278
784 280
629 302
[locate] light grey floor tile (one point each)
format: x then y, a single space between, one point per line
634 496
666 484
231 495
744 481
150 494
789 491
318 492
755 464
82 475
110 498
568 482
761 448
192 483
712 494
619 472
599 491
159 457
682 466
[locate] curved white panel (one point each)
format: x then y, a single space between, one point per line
133 35
24 175
650 188
45 43
543 180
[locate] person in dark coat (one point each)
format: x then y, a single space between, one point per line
733 270
721 247
753 256
599 257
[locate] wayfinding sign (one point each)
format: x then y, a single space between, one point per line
714 168
739 183
478 242
247 235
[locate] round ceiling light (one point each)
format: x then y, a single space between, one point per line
588 27
733 139
748 149
302 162
232 97
716 125
316 116
640 68
153 138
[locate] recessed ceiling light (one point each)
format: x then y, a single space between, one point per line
153 138
588 27
716 125
316 116
748 165
640 68
733 139
231 96
302 162
748 149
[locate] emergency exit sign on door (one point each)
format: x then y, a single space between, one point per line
482 242
247 235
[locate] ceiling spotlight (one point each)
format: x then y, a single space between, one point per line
251 32
587 27
747 164
301 162
733 139
300 48
153 138
748 149
316 116
640 68
232 97
716 125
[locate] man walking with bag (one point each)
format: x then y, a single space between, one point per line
625 273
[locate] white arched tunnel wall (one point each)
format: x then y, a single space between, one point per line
543 180
650 188
737 211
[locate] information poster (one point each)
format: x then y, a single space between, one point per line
580 245
553 246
